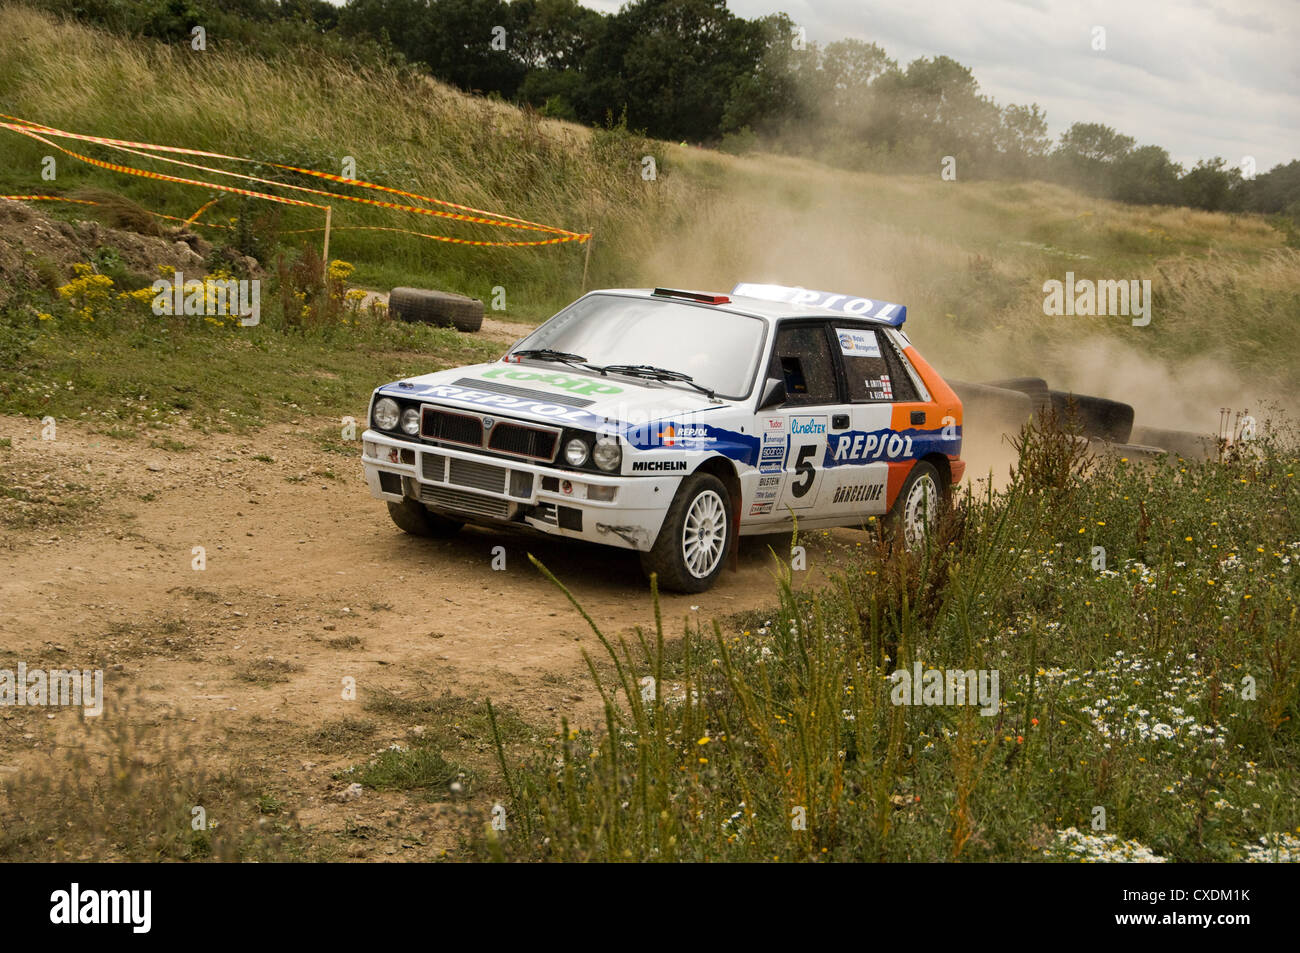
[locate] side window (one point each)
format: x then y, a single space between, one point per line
802 358
873 370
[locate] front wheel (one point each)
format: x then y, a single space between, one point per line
697 533
920 502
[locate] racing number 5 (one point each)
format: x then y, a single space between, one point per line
803 467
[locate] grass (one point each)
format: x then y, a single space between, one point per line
1143 623
130 790
266 671
419 768
138 375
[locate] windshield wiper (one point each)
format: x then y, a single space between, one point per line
655 373
550 354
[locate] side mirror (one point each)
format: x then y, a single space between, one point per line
773 393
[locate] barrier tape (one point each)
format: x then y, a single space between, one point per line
129 170
26 127
302 231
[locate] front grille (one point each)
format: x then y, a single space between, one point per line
451 427
433 466
461 502
523 441
480 476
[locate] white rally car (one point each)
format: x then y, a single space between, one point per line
672 422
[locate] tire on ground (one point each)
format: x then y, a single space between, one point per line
1098 417
993 411
440 308
666 558
1035 388
895 519
1182 443
412 516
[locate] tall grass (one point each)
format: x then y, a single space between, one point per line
1158 685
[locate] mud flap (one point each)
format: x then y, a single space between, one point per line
733 555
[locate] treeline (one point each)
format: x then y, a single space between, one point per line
691 70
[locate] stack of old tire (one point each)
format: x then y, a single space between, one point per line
1005 405
440 308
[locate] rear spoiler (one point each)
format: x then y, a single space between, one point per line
883 311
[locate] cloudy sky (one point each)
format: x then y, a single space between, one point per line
1199 77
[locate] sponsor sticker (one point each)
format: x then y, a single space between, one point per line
859 493
866 447
758 509
769 487
858 343
771 454
802 426
658 466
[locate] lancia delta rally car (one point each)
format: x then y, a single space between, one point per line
672 422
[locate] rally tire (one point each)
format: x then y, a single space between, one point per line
1097 417
1035 388
912 517
697 534
412 516
439 308
992 410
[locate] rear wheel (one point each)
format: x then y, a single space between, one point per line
697 533
919 504
412 516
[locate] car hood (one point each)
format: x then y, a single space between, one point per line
554 393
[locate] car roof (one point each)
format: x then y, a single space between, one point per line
762 308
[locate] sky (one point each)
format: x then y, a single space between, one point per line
1201 78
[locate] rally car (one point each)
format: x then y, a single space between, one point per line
671 422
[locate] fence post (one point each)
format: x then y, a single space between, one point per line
325 254
586 261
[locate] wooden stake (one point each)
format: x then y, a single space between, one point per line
325 254
586 261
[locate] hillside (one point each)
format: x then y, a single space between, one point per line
969 259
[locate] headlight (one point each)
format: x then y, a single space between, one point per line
411 421
386 413
575 452
608 454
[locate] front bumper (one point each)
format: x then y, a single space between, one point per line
479 488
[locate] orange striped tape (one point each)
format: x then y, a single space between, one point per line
301 231
26 127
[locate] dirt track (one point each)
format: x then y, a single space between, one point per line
303 569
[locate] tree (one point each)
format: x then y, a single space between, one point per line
1146 176
1209 185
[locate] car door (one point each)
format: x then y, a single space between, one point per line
868 461
794 436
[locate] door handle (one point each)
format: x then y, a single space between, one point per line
918 417
840 421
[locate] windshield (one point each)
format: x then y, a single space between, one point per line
719 349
